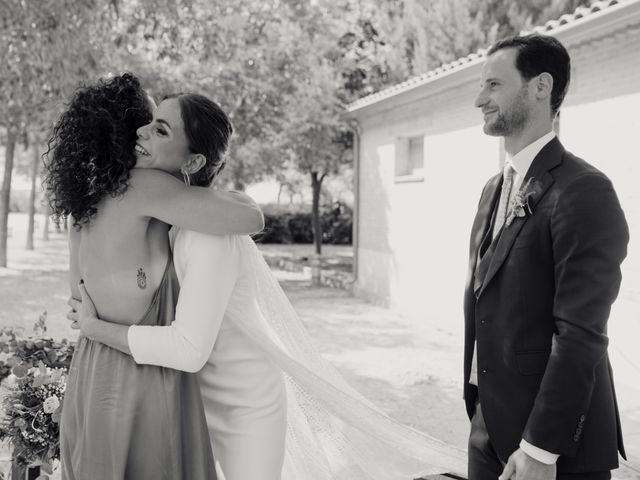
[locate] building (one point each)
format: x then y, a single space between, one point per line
422 160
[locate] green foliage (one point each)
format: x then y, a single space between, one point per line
283 70
47 50
26 352
33 406
338 225
276 229
424 35
301 228
282 226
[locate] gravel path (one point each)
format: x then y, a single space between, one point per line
409 368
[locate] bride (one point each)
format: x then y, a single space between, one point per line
274 407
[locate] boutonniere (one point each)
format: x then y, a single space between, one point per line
521 201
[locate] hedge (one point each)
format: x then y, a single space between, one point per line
296 227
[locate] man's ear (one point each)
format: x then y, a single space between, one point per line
195 162
543 85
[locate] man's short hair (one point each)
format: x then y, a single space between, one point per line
537 54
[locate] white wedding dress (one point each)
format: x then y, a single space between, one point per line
275 408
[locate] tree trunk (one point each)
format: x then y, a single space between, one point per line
32 195
5 194
47 220
316 185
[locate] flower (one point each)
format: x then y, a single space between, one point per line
51 404
36 368
521 202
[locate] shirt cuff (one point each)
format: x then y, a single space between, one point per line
538 454
136 341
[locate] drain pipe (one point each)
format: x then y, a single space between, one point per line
355 128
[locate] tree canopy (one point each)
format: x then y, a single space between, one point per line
282 69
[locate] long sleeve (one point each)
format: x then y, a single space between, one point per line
590 238
207 268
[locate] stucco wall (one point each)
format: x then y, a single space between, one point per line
413 237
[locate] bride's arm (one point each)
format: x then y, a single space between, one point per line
154 193
211 266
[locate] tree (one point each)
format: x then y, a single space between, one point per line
36 160
45 51
5 192
315 139
511 17
230 51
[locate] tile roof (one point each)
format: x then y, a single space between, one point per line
548 29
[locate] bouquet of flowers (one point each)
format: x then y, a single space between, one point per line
38 367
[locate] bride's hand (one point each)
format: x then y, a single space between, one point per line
83 312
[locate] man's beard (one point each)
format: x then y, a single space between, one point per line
512 120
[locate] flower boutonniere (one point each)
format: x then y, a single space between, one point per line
521 202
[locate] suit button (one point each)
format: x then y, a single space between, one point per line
484 370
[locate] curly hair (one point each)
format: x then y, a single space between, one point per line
91 151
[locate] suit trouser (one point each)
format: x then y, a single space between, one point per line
484 463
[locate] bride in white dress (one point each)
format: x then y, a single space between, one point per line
275 408
242 389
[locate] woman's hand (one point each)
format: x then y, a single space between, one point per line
83 314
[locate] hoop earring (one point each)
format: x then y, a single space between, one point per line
186 178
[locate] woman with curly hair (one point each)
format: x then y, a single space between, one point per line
121 420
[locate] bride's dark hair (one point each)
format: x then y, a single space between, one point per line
208 130
91 151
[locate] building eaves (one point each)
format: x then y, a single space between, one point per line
580 15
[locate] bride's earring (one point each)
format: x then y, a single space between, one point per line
185 177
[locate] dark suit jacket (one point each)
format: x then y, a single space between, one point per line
538 303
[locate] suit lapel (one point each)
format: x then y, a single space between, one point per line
549 157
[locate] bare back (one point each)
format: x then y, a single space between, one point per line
121 256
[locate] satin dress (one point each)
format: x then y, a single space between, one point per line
124 421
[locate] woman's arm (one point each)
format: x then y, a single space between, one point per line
211 265
74 268
154 193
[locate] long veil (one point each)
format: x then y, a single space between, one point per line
333 432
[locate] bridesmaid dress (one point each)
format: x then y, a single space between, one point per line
123 421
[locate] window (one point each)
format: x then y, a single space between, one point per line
409 165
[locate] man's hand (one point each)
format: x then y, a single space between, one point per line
521 466
83 312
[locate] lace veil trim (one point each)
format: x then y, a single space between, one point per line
333 432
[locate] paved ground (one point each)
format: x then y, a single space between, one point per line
409 368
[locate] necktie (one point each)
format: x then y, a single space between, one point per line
503 205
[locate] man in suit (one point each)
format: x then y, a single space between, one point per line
544 269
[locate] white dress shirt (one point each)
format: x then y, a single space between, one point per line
521 161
